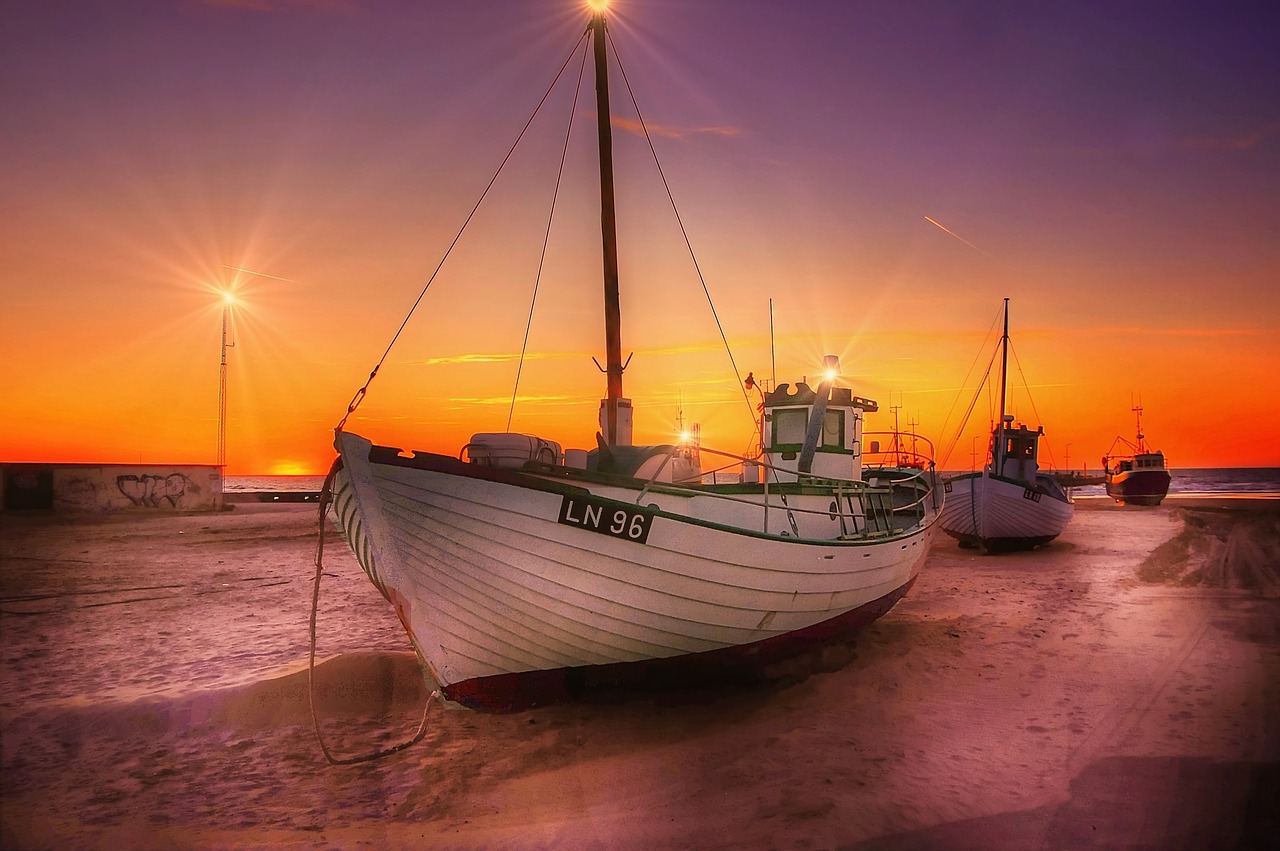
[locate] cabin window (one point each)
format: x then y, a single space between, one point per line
1018 448
833 429
789 426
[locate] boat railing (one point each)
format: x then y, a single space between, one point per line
919 454
909 495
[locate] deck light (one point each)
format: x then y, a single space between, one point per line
831 368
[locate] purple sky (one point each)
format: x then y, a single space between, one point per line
1117 165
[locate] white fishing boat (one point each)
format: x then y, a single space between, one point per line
525 573
1009 504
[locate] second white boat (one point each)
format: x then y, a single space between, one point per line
1010 504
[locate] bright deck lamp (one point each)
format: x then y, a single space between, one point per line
830 368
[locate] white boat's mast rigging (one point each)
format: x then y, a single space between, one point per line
1000 428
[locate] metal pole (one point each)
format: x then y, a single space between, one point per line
773 357
222 394
222 410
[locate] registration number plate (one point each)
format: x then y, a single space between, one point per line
606 518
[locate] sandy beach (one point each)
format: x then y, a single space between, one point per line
1117 689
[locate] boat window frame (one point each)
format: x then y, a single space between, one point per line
839 415
777 418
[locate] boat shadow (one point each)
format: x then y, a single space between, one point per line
1127 802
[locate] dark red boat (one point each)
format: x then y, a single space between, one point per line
1139 477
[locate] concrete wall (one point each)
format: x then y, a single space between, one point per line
110 487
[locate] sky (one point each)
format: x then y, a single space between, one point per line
865 179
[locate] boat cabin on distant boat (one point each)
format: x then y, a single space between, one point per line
1021 457
1150 461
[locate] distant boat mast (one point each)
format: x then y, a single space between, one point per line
1137 409
997 451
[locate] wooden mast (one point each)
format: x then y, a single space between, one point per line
609 236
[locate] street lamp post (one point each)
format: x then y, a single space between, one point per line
227 300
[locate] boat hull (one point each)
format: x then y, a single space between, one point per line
1139 487
730 665
1002 515
511 605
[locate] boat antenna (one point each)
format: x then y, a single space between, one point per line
897 438
773 354
1137 409
997 456
608 234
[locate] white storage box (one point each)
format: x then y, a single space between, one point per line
511 451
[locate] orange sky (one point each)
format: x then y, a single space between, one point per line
337 147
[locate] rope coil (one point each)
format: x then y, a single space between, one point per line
326 493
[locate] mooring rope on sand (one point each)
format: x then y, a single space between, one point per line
325 493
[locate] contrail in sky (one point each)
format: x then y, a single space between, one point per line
957 236
292 281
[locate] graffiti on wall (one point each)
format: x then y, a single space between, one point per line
152 491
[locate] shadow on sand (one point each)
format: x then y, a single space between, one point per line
1133 803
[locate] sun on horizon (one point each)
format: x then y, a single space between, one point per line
290 468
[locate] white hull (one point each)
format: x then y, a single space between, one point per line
490 581
998 513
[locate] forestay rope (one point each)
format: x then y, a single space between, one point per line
1030 399
685 235
546 238
326 491
964 420
360 394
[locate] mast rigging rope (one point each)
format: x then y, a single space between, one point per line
360 394
689 245
546 238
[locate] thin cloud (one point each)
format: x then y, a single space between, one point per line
509 357
470 401
668 131
1174 332
1246 142
862 338
498 357
286 5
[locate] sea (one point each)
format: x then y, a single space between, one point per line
1203 481
1210 481
272 488
272 484
1189 481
